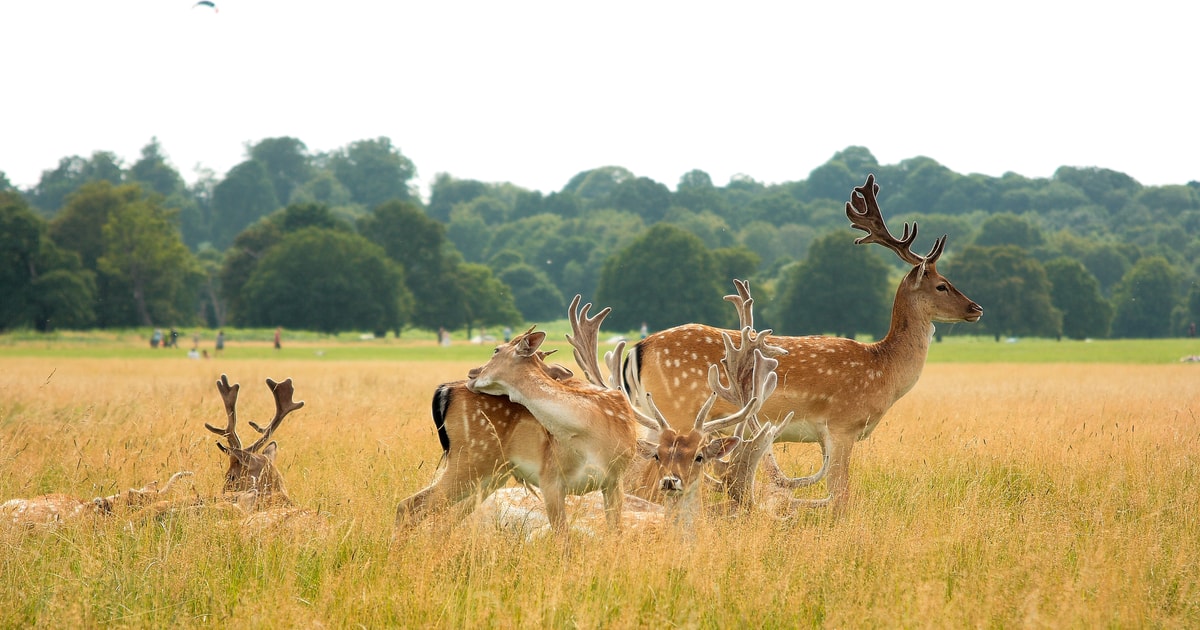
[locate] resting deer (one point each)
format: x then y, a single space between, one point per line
253 485
837 389
55 509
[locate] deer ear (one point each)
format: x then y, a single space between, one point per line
721 447
559 372
918 274
530 343
269 451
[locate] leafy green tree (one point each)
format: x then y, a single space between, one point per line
1108 262
1076 293
664 278
323 188
642 196
345 283
470 234
487 300
595 187
534 294
154 173
243 197
373 171
735 262
840 288
448 192
697 193
1011 286
1007 228
43 286
287 163
833 180
143 251
1102 186
79 226
710 227
419 244
56 185
1145 298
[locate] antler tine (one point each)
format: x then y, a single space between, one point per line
612 358
935 252
229 394
585 339
657 422
864 214
743 303
283 406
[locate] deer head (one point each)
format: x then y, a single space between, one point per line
252 469
930 293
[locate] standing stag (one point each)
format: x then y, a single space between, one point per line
837 389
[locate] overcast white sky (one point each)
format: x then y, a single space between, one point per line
535 92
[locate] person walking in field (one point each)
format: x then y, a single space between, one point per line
220 342
277 331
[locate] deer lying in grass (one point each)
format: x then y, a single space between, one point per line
55 509
253 487
837 389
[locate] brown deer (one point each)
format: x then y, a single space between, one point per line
488 439
55 509
837 389
253 486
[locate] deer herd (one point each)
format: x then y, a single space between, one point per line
676 431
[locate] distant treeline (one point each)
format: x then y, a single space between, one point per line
341 241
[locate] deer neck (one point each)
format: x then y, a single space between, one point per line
906 344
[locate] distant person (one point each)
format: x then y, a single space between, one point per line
277 331
174 339
193 354
220 341
507 334
443 337
645 330
196 340
156 338
1192 329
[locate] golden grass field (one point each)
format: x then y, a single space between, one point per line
997 495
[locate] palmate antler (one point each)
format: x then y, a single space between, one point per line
864 214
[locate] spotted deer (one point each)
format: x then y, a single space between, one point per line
488 439
56 509
489 436
837 389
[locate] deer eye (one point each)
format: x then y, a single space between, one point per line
656 457
699 459
942 288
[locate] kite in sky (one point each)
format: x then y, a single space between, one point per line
207 3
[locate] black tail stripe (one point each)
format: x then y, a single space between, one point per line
441 403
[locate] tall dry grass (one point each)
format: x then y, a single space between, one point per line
992 495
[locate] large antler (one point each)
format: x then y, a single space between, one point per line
229 394
283 406
864 214
585 340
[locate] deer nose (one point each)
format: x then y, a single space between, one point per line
974 312
671 483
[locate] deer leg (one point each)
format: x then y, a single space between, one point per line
614 504
838 477
554 497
